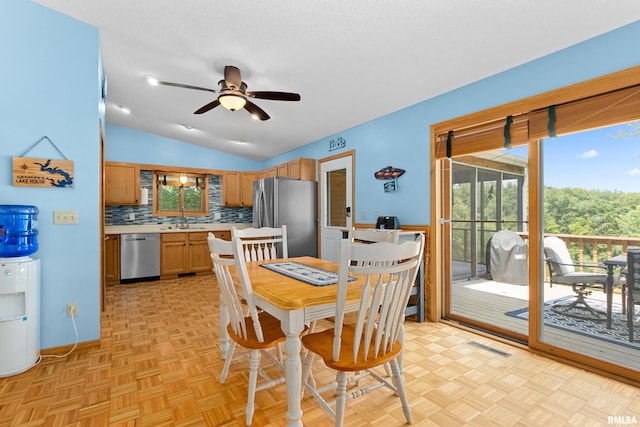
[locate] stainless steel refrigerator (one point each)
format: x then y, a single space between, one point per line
279 201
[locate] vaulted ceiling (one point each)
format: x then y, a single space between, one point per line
351 61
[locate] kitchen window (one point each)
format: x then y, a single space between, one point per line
174 192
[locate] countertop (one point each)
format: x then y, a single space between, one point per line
171 228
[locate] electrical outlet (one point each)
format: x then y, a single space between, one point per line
217 215
132 216
241 215
72 309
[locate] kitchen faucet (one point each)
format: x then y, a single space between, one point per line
184 223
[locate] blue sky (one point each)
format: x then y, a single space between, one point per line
596 159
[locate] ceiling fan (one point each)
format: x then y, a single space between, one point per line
233 94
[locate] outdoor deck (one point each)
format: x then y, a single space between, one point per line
488 301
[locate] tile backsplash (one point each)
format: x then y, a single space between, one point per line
120 215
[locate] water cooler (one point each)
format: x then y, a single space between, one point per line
19 289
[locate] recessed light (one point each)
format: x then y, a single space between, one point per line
125 110
187 127
239 141
151 80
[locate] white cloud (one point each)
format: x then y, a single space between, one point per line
634 171
588 154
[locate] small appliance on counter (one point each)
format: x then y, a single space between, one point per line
387 223
19 289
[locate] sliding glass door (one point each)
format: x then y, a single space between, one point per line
487 254
591 192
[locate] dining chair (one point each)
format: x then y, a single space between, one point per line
387 272
372 235
265 243
257 331
632 285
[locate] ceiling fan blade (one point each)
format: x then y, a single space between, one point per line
183 86
256 111
232 77
277 96
209 106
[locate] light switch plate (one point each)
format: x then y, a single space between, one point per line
217 215
65 217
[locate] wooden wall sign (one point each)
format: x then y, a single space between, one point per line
32 172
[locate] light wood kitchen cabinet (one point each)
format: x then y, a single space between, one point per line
112 258
263 174
237 188
223 234
185 253
199 256
247 179
121 183
304 169
231 189
173 253
272 171
283 170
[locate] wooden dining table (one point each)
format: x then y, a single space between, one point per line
295 303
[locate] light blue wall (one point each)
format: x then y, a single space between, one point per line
49 85
128 145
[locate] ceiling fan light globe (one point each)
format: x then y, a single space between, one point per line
232 102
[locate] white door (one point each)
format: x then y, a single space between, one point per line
336 203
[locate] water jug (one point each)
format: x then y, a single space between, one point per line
18 230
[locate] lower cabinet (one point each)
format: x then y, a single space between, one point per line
187 252
198 255
223 234
112 258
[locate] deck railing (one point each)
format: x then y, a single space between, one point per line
583 249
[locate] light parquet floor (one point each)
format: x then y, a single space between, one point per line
158 364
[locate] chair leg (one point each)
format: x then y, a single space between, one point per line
254 364
228 358
630 315
341 398
307 377
581 304
224 334
398 381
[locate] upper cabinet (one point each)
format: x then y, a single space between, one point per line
304 169
246 182
237 188
121 183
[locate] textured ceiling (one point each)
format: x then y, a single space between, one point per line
351 61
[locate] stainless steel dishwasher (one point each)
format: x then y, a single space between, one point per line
139 257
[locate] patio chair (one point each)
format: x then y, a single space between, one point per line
632 285
563 271
388 272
